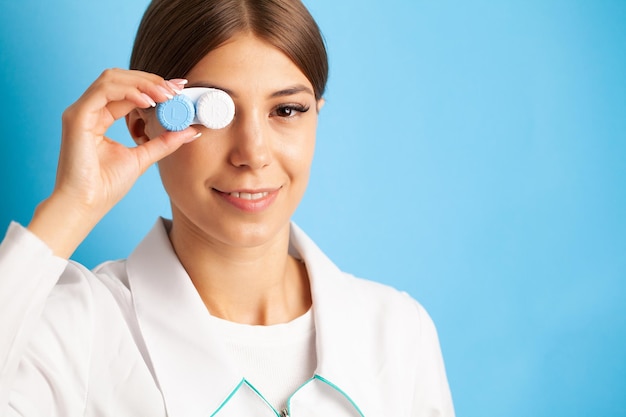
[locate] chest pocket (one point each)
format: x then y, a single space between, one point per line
320 397
245 400
315 398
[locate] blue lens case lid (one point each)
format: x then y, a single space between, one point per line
177 113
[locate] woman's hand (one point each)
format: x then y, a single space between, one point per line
95 172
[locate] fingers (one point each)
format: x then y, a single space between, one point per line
117 92
144 94
163 145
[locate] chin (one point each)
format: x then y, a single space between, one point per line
250 234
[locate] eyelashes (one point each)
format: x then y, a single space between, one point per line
289 111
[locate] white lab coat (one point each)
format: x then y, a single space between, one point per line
132 338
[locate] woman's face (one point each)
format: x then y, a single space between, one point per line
240 185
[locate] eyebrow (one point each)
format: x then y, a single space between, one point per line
293 90
289 91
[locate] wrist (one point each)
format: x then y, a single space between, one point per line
62 224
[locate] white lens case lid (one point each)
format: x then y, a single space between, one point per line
215 109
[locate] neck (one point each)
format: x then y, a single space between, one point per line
260 285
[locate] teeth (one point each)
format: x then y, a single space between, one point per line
249 196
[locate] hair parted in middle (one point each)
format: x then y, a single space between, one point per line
175 34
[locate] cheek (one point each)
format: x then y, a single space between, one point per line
298 154
193 163
153 127
170 172
186 163
299 145
295 155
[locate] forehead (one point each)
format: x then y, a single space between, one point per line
246 62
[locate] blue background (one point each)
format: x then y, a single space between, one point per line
472 153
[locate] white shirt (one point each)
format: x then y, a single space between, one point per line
133 338
276 359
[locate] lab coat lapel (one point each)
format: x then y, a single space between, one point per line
189 364
346 359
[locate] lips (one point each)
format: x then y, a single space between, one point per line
250 201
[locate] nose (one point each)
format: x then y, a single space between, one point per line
251 142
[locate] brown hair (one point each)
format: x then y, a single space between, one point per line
175 34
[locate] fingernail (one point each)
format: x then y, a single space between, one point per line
166 92
194 137
177 84
148 99
179 81
177 89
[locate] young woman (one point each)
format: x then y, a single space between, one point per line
227 309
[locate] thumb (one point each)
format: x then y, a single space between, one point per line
163 145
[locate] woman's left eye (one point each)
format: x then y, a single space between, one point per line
289 110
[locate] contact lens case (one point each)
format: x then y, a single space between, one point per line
209 107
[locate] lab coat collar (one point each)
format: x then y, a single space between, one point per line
189 362
341 325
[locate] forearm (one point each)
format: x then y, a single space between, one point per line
28 272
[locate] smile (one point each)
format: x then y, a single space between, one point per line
249 196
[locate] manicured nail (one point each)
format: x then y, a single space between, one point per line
179 81
166 92
148 99
177 84
194 137
177 88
